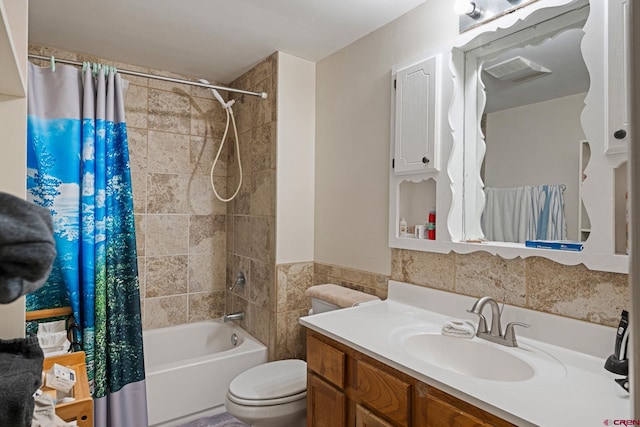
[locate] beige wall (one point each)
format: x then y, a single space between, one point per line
296 159
352 179
352 136
13 131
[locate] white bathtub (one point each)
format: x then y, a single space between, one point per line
189 367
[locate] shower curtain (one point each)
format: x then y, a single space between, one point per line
78 167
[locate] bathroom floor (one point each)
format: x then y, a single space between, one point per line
220 420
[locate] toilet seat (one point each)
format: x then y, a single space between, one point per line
273 383
267 402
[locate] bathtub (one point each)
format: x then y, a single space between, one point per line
189 367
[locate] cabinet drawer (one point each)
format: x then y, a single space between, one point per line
326 361
441 414
366 418
444 410
390 396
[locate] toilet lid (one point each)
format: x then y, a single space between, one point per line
273 380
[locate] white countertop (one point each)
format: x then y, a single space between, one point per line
574 390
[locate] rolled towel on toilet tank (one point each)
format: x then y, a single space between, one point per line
339 295
460 328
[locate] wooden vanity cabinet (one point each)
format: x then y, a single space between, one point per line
346 388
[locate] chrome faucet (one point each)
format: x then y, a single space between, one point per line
238 315
495 333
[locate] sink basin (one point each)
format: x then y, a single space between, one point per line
477 358
471 357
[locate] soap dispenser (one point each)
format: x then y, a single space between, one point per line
618 363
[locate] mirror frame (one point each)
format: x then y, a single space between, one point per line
469 146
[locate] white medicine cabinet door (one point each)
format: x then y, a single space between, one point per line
618 88
416 114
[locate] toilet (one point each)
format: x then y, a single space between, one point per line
270 395
274 394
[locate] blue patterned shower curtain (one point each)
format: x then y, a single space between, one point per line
78 167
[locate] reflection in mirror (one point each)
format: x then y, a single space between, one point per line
533 164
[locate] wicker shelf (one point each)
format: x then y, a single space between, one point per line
81 409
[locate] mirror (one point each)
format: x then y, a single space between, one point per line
534 94
509 133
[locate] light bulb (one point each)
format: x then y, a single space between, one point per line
466 7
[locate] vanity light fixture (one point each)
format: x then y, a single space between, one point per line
466 7
473 13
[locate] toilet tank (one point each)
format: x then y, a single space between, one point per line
319 305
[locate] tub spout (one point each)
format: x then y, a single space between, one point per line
239 315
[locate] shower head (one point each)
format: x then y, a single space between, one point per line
217 95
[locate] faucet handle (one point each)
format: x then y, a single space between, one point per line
482 323
509 332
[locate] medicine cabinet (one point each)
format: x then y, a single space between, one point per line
419 135
470 99
415 118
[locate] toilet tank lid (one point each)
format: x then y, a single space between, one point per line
271 380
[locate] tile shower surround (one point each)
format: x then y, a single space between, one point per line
173 130
183 232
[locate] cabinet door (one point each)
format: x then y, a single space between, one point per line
365 418
387 394
415 118
326 405
618 80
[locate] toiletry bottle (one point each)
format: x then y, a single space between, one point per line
431 231
431 225
403 227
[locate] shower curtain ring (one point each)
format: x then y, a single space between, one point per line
52 61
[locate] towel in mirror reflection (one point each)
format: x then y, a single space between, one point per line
524 213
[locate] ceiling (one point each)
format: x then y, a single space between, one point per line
560 54
213 39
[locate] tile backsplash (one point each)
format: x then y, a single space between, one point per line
535 283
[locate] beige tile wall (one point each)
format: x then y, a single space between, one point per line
535 283
173 131
251 216
273 299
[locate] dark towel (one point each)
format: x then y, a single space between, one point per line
27 247
20 376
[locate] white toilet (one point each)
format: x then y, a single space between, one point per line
275 394
270 395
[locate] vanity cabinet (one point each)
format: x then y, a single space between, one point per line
346 388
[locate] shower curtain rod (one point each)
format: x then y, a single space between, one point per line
262 95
